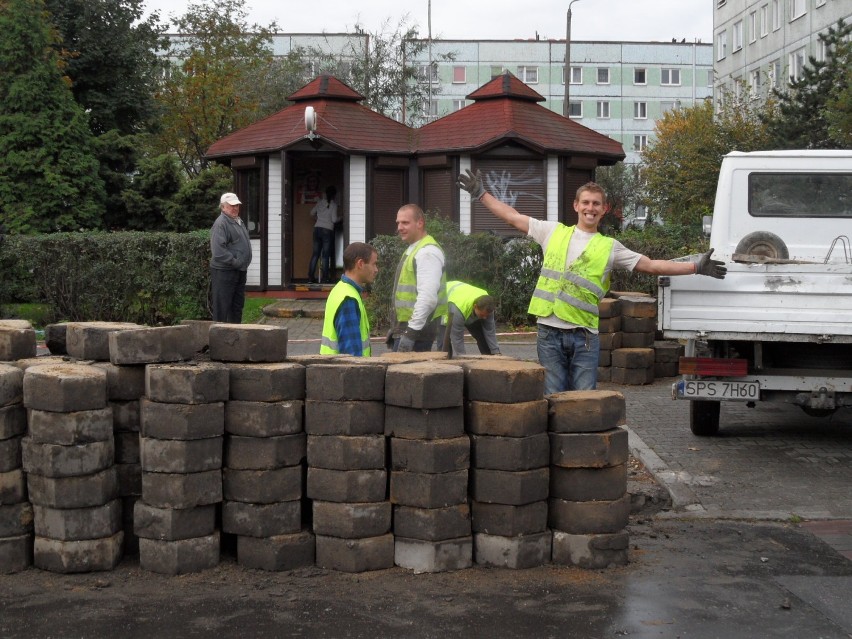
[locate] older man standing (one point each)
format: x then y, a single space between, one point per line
231 255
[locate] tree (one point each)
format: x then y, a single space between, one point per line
48 172
812 112
208 90
623 185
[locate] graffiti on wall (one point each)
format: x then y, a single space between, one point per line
507 187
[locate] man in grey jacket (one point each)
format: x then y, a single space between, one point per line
231 250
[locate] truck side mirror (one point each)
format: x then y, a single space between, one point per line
707 224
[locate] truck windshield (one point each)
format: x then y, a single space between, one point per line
800 194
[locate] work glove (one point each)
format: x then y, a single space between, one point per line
710 267
472 183
389 339
406 344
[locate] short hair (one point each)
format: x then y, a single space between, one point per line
415 210
330 192
357 251
592 187
485 303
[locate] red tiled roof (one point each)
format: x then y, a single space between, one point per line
326 86
505 85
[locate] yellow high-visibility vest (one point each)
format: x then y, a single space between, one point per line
329 344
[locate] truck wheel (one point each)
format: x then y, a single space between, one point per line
764 244
704 418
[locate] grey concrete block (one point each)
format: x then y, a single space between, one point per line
199 336
162 420
263 419
638 324
179 557
16 553
82 491
344 418
127 448
182 490
668 352
355 555
90 340
609 307
590 551
609 341
428 490
16 519
666 369
54 338
277 553
65 388
609 324
40 360
510 453
10 454
181 455
263 453
247 343
263 486
604 374
75 524
424 385
151 345
589 450
13 420
126 416
346 485
430 455
172 524
588 484
337 382
589 517
432 524
503 380
277 382
87 555
17 343
262 520
13 487
637 340
633 357
433 556
507 520
523 551
188 383
638 306
53 460
124 383
68 429
351 520
514 488
604 359
343 452
506 420
416 423
129 479
585 411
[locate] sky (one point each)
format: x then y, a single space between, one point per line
636 20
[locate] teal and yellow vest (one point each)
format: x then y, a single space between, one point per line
329 345
406 286
572 293
463 296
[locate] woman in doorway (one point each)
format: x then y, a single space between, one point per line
326 215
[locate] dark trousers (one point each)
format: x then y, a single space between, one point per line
229 295
323 243
475 329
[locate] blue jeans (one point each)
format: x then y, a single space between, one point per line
323 241
570 358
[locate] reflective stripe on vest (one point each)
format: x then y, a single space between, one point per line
406 286
464 296
329 344
572 293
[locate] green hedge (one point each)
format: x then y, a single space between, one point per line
147 278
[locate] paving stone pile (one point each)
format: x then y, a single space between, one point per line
16 514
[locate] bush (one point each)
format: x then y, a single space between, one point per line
147 278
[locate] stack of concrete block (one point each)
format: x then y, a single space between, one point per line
69 460
667 356
89 341
430 462
54 338
609 334
507 416
182 427
17 340
199 334
589 504
638 321
16 515
264 466
347 468
633 366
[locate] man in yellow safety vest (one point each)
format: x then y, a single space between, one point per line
471 308
346 327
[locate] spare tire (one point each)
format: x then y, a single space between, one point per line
763 244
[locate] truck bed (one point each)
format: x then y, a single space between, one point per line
765 302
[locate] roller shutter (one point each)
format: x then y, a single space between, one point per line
439 192
572 179
518 182
387 195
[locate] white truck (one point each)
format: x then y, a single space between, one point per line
778 328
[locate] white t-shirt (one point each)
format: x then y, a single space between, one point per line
429 264
326 214
621 258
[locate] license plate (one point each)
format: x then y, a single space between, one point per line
718 389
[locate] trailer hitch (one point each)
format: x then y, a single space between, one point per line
822 399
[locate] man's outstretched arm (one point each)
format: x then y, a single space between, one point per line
704 266
472 183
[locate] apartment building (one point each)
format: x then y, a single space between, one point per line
762 44
619 89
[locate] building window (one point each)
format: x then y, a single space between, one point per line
603 109
427 73
670 77
529 75
754 82
576 75
458 104
575 109
752 26
775 74
738 88
666 106
459 75
640 76
640 142
737 36
797 9
430 108
821 51
641 212
496 72
640 110
796 63
603 75
776 15
764 20
710 77
721 45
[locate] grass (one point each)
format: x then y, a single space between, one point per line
35 314
253 309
